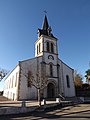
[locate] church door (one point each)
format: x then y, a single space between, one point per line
50 90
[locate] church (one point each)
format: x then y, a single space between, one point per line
57 77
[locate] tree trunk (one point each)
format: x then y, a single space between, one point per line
39 99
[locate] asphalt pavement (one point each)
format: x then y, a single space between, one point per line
76 112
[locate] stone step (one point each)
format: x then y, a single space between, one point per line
74 99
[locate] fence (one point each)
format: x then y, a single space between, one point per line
83 93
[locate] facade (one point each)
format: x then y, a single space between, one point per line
60 77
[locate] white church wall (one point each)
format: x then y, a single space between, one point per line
47 60
11 84
48 70
26 92
55 71
60 75
39 41
68 91
65 70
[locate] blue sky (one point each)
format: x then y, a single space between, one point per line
70 22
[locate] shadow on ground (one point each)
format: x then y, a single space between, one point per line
49 114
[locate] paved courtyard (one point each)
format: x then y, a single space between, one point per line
77 112
4 102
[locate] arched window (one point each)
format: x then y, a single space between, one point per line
37 49
51 70
52 48
48 47
67 81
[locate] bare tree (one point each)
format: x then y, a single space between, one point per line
39 81
3 73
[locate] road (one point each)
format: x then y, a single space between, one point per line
77 112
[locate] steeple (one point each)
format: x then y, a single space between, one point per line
46 44
45 25
46 29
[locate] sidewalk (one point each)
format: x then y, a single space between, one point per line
72 110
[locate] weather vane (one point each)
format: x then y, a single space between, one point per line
45 11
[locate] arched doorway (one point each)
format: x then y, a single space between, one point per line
51 90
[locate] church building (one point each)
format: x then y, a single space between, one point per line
57 77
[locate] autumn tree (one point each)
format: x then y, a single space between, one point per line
78 79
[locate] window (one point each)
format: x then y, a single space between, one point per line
12 82
68 81
9 83
48 47
29 78
16 79
39 47
52 48
51 70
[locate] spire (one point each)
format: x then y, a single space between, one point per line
46 29
45 25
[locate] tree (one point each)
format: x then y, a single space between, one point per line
39 81
87 75
3 73
78 79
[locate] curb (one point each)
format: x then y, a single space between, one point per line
16 110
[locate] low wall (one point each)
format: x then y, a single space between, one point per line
5 110
16 110
83 93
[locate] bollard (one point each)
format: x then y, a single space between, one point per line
23 104
58 100
44 102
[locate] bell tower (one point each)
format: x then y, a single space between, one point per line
46 46
46 42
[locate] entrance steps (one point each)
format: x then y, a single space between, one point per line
74 100
86 99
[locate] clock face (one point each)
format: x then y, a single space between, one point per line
50 57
